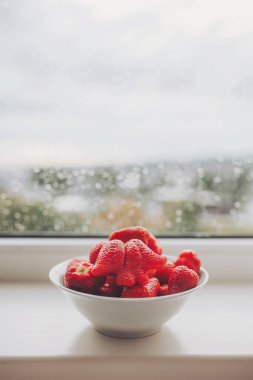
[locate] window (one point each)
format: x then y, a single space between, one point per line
123 113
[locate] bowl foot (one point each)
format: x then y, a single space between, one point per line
127 335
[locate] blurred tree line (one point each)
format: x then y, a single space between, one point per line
122 196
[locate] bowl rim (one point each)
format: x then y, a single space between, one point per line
203 272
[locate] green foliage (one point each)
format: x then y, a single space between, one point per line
55 181
182 217
20 216
232 186
117 197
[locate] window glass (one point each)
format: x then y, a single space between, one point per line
117 113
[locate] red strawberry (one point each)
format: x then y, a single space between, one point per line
151 289
110 288
182 279
189 259
151 260
110 258
132 270
166 290
164 273
151 273
95 251
153 244
78 277
137 232
139 260
110 280
76 261
131 262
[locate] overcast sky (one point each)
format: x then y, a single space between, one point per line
94 81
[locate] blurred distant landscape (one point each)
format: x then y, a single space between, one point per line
126 113
198 198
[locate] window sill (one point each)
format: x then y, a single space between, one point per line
41 333
225 259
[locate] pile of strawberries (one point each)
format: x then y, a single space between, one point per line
130 265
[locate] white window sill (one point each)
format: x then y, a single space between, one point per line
43 336
32 258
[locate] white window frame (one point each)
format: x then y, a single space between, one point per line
226 259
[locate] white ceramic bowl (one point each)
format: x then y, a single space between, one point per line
124 318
